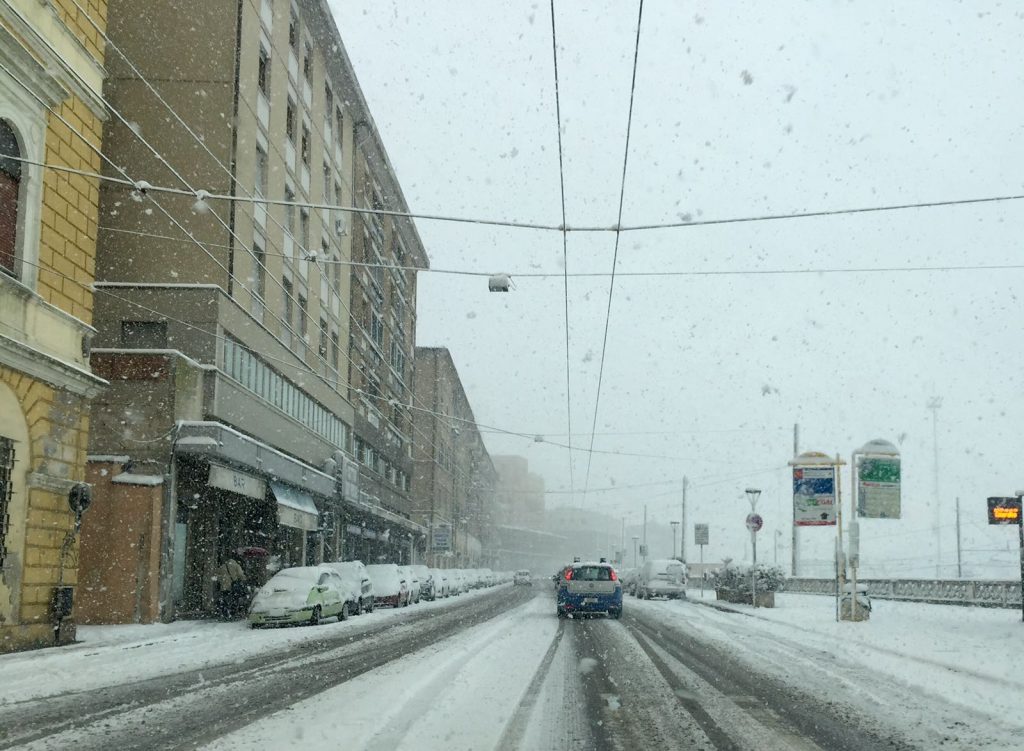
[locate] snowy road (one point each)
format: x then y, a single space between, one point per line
499 671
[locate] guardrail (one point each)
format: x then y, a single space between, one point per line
980 593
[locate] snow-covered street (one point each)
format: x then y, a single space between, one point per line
497 669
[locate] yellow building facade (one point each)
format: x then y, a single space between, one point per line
51 123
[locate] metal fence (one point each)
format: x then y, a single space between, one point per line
990 594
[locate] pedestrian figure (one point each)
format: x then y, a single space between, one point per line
231 579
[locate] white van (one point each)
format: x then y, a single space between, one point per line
661 578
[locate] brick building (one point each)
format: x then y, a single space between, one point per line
51 112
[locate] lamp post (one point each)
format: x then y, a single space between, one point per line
753 494
636 538
675 526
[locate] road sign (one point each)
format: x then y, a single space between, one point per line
754 522
643 551
814 496
701 534
442 537
878 488
1004 510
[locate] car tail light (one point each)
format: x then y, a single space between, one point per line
568 574
615 577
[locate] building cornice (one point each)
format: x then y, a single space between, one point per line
63 375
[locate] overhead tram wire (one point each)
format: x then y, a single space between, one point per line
615 253
565 244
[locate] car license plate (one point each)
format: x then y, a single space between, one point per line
589 600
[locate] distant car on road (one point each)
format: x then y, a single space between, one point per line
522 577
661 578
304 594
589 588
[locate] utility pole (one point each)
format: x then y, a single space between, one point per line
682 522
933 404
674 524
635 539
796 453
622 543
959 559
645 533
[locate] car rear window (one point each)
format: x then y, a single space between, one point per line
592 573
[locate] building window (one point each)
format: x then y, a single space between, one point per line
286 288
307 62
303 327
10 198
261 171
328 105
289 211
263 72
293 31
377 329
322 349
259 254
340 135
6 491
289 120
398 359
144 334
305 145
335 351
304 230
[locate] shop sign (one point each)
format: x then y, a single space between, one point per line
237 482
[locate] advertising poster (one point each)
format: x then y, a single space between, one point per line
814 496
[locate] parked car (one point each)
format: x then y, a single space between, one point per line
589 588
390 586
442 586
456 581
663 577
413 582
522 578
354 572
304 594
426 580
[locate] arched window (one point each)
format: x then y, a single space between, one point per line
10 193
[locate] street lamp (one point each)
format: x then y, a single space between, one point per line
635 539
674 526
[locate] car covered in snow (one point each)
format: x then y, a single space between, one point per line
426 580
442 586
589 588
390 586
661 577
522 577
304 594
412 580
360 584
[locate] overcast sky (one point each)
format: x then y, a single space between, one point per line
741 110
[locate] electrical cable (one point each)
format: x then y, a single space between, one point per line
565 242
615 253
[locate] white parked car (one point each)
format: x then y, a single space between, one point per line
661 578
442 586
413 581
390 586
354 572
304 594
426 580
522 578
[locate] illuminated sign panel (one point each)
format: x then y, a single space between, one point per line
1005 510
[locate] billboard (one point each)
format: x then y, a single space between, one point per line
1004 510
814 496
878 488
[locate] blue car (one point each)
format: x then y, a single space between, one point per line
589 588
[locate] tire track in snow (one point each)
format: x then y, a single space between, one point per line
515 731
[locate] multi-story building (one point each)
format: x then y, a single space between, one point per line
454 477
387 252
520 494
225 324
51 112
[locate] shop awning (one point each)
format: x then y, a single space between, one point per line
295 508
